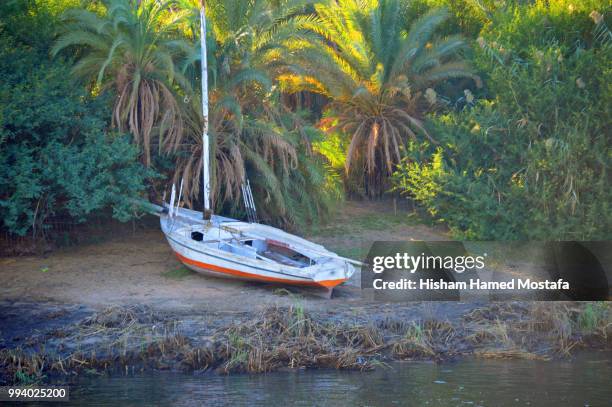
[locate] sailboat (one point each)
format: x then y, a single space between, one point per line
225 247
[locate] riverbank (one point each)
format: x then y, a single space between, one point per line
126 304
45 340
126 267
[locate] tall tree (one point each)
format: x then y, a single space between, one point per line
374 66
251 131
132 48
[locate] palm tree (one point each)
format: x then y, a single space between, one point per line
374 67
264 141
131 49
238 140
250 130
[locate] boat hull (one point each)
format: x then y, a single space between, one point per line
251 275
207 257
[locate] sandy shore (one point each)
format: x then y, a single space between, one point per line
127 303
139 269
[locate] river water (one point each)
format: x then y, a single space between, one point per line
586 380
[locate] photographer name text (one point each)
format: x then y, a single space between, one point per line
472 284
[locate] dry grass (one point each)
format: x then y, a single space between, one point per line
563 326
489 332
509 354
415 343
292 338
426 339
22 367
126 339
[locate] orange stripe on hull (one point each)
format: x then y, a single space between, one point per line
237 273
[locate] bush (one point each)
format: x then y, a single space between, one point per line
56 157
532 162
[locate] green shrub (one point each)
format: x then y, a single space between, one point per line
532 162
56 155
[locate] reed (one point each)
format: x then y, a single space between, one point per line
129 339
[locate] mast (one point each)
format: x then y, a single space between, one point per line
205 143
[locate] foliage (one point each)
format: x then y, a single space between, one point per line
593 316
252 133
466 16
525 156
132 48
56 158
374 66
533 161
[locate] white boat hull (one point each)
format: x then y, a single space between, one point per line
221 252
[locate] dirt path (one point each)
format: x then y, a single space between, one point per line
140 268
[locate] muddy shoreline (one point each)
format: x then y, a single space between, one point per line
125 304
43 341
